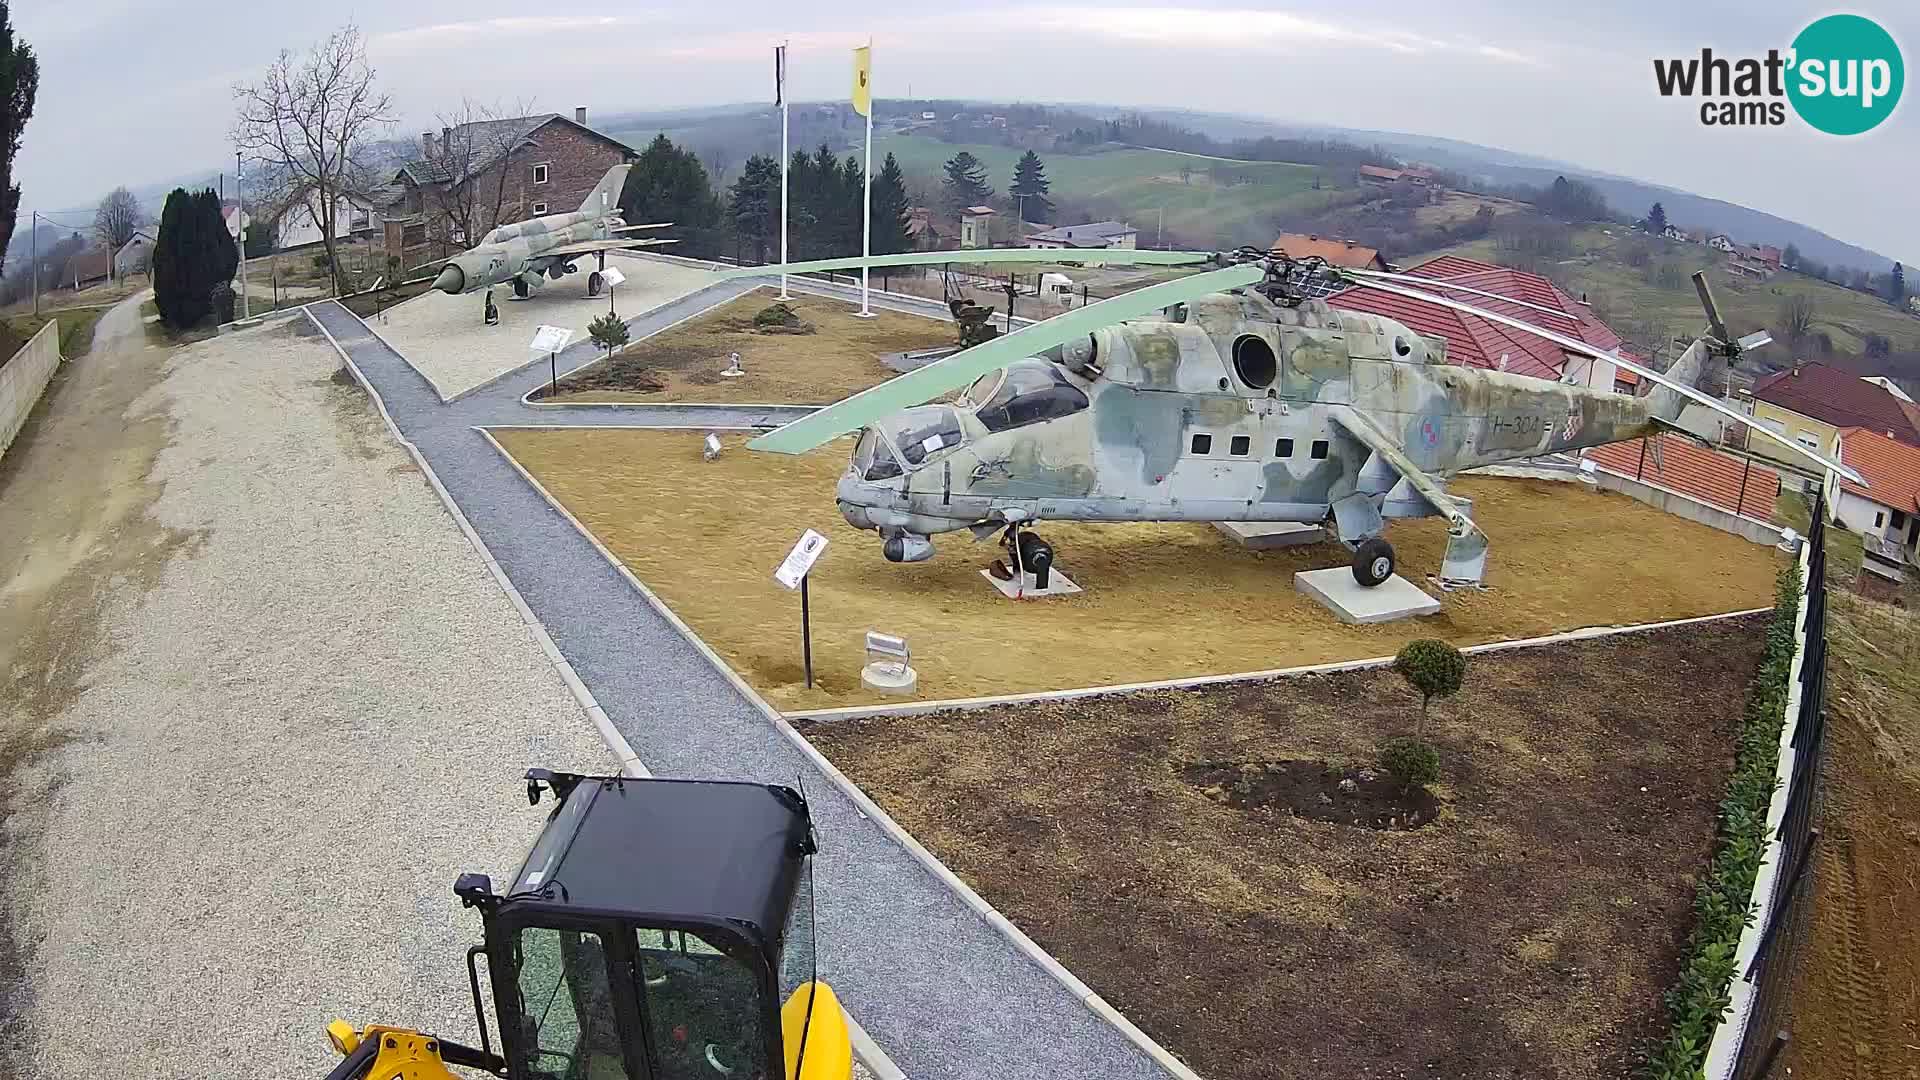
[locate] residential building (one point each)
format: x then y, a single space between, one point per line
1885 512
976 227
1889 386
1375 174
1812 403
299 223
1721 242
136 254
473 177
1097 234
86 267
921 229
1337 252
1675 232
1473 341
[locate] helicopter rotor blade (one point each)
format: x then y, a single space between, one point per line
1713 310
1433 283
967 365
1576 346
1089 257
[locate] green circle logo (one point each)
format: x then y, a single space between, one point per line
1846 74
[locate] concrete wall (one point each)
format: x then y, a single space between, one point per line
1673 502
24 377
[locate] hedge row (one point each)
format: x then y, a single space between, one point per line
1723 904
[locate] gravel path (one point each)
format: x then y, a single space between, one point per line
444 338
295 740
941 991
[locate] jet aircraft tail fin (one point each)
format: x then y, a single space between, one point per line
605 196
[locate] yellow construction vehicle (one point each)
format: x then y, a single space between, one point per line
659 930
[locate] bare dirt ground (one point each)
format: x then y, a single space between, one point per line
683 363
445 339
1162 601
1855 1009
1526 933
263 703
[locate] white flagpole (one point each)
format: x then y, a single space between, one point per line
866 202
783 172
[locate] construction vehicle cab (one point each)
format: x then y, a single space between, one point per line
659 930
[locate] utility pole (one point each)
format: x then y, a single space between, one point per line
33 246
240 235
780 93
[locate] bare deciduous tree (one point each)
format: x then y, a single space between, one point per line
310 120
1796 320
117 217
472 199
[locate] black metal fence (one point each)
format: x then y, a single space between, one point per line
1771 972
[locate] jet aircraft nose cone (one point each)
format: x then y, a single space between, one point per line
452 279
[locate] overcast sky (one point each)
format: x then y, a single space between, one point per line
133 92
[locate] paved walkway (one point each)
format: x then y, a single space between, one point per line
941 991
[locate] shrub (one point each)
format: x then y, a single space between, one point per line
776 315
1412 762
1723 902
1433 669
608 332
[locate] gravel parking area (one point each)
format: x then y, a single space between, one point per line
443 337
291 738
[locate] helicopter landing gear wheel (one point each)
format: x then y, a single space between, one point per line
1372 562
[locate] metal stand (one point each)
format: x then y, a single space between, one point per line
806 632
553 374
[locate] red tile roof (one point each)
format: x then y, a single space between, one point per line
1891 466
1832 396
1691 469
1479 342
1336 252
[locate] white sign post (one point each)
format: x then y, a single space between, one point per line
550 340
612 276
793 573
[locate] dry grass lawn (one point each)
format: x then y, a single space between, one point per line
683 363
1162 601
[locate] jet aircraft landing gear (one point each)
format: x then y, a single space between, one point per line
491 312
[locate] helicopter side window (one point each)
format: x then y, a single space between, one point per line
702 1009
566 1006
871 458
1319 449
1030 393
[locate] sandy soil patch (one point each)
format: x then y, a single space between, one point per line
277 705
1162 600
444 339
840 357
1527 932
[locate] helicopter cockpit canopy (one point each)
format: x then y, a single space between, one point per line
916 434
1024 392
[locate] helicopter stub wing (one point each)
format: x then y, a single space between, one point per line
963 367
1073 256
1574 345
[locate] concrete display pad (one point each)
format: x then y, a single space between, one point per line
1350 602
1269 535
1058 584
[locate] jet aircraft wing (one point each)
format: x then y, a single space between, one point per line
589 247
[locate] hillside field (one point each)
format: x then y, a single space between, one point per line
1141 183
1625 295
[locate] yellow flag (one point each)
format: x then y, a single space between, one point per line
863 80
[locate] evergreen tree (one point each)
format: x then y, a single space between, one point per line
1897 285
753 205
804 187
219 253
1657 219
966 181
853 182
19 83
1790 258
1030 188
176 264
890 210
668 183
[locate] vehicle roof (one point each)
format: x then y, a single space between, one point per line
680 850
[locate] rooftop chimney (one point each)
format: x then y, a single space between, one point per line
580 116
426 144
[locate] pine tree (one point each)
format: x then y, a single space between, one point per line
1657 219
1897 285
890 210
175 264
668 183
966 181
1030 188
853 181
803 200
19 83
753 205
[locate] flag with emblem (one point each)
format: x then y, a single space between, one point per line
863 80
779 75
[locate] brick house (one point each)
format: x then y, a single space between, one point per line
473 177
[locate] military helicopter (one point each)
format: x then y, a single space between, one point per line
547 246
1232 395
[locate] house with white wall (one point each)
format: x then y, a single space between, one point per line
1886 512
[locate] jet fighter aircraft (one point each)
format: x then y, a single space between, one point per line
1231 395
527 252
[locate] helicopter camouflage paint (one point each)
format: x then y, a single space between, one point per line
1219 402
527 252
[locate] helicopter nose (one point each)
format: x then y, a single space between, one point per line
452 279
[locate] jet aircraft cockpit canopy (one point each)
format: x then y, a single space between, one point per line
1024 392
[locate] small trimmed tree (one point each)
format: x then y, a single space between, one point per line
608 332
1434 669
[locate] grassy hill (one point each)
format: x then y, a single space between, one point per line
1635 299
1139 184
